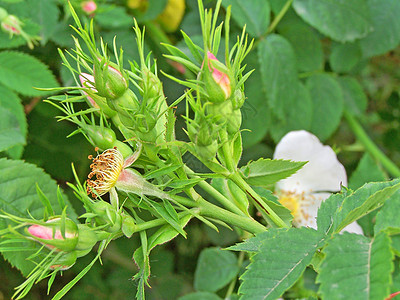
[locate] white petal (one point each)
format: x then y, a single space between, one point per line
323 172
309 209
353 228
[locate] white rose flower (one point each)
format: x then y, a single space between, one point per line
303 192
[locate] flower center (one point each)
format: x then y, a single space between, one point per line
106 168
299 206
290 200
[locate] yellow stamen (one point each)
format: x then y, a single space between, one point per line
290 200
106 168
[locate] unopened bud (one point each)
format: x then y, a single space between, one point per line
217 83
109 81
51 236
107 215
87 238
89 7
93 99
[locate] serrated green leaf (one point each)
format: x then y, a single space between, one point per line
18 195
344 57
388 217
354 97
280 261
385 36
22 73
341 20
215 269
12 103
328 209
265 172
10 132
364 200
327 97
254 14
253 244
278 70
356 267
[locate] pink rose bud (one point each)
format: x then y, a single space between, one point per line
12 25
89 7
220 78
50 234
65 262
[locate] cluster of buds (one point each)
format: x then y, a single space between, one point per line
65 236
13 26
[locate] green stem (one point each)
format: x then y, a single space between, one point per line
155 223
212 211
279 16
227 151
209 189
233 282
370 146
257 200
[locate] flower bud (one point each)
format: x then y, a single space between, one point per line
238 99
65 262
217 83
109 81
107 215
226 114
87 238
50 234
89 7
126 106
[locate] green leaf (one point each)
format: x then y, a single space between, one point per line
328 209
354 97
385 36
11 102
341 20
344 57
255 110
281 259
18 196
200 296
367 171
366 199
306 45
253 244
327 98
254 14
22 72
10 132
356 267
388 217
298 114
215 269
279 74
273 202
265 172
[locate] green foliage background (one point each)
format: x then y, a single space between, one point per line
318 66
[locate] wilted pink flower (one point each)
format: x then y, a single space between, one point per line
220 78
89 7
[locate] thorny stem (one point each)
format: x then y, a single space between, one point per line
370 146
